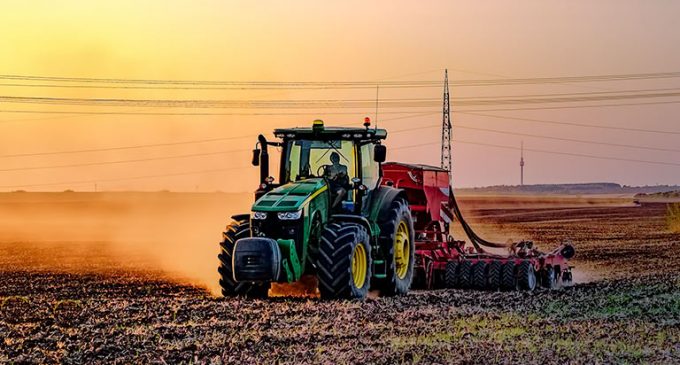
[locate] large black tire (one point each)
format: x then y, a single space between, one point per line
508 279
526 276
230 288
394 283
464 275
478 278
340 244
493 275
451 274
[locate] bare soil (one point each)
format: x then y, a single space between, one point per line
70 298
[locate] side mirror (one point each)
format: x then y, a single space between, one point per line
256 157
379 153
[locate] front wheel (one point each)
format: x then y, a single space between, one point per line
344 263
397 236
236 230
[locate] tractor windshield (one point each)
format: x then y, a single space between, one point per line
331 159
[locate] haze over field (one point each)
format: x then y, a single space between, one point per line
351 41
173 236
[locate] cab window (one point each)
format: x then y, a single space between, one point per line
305 159
369 168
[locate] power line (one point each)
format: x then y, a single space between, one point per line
82 182
211 82
31 154
221 88
203 103
332 103
570 106
574 94
147 159
549 152
207 140
395 131
464 111
195 113
364 105
98 163
392 131
647 130
569 139
463 82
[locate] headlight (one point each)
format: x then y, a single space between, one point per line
289 216
259 215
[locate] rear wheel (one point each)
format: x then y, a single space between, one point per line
508 280
526 276
450 275
493 275
230 288
344 264
479 275
397 236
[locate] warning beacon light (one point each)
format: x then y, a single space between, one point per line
367 122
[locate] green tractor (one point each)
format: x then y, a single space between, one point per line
328 216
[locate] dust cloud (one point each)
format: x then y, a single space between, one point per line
171 235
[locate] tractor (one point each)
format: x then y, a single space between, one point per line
328 216
339 212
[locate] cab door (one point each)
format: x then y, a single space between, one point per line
369 173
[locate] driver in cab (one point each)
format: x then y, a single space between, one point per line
336 174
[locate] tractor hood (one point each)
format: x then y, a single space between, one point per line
290 197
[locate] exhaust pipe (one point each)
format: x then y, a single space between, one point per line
264 159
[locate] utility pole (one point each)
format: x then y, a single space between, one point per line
446 127
521 165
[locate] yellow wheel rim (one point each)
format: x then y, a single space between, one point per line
359 265
402 250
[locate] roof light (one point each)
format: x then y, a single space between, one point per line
317 126
367 122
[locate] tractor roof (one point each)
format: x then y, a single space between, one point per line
330 133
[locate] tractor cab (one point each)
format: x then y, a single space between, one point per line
346 159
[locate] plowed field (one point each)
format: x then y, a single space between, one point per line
72 298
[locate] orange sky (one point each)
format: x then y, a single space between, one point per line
342 41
